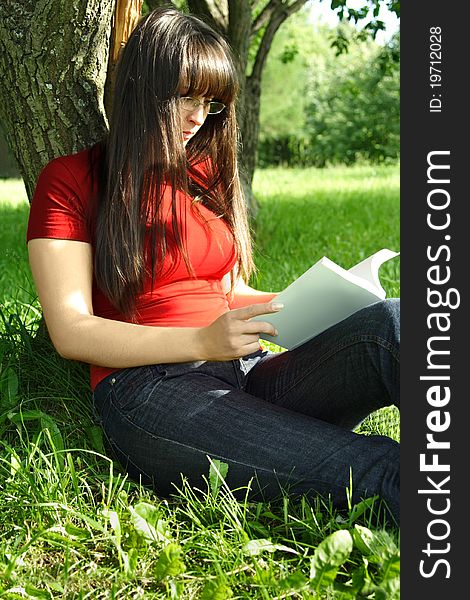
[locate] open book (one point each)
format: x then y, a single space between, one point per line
323 296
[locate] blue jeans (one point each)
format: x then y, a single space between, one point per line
282 419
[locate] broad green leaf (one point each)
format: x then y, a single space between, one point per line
27 415
147 511
378 546
144 517
133 558
216 590
170 562
217 474
330 554
362 539
77 532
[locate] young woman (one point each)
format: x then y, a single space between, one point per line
140 251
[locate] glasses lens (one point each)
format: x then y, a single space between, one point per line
191 104
188 103
215 108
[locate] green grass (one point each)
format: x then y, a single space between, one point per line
15 279
73 526
343 213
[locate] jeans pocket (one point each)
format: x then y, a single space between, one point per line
131 389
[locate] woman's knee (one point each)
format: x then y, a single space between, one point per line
383 319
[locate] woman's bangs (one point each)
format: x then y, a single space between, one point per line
209 73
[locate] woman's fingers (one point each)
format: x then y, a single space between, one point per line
233 334
254 310
250 327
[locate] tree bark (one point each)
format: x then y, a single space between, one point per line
53 63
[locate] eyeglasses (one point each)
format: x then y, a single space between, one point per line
210 107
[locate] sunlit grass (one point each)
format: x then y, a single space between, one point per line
343 213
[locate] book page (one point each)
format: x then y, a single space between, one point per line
321 297
369 268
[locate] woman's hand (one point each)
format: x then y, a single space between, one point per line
233 335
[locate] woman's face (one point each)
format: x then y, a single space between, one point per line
193 114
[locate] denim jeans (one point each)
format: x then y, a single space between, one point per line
283 420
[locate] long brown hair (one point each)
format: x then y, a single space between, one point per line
167 53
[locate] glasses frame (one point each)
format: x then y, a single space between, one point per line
210 107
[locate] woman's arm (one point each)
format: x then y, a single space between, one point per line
63 274
244 295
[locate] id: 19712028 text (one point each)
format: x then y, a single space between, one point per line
435 69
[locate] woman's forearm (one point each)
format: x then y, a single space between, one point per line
117 344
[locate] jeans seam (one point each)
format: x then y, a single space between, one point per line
351 342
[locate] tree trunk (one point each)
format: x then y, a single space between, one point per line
53 63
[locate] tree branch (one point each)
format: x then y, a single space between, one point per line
211 12
264 16
126 16
152 4
279 14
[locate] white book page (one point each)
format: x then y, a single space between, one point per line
368 269
321 297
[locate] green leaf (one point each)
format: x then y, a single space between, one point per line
330 554
15 464
79 533
378 546
116 525
132 560
144 517
362 539
147 511
216 590
217 474
170 562
256 547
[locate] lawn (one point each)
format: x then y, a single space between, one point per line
73 526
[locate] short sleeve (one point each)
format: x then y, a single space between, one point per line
58 208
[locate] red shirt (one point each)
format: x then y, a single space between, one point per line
62 209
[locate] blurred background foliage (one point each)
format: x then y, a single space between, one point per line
319 107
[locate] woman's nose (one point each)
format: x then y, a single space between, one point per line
197 116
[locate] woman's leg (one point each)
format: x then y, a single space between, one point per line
165 420
342 375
